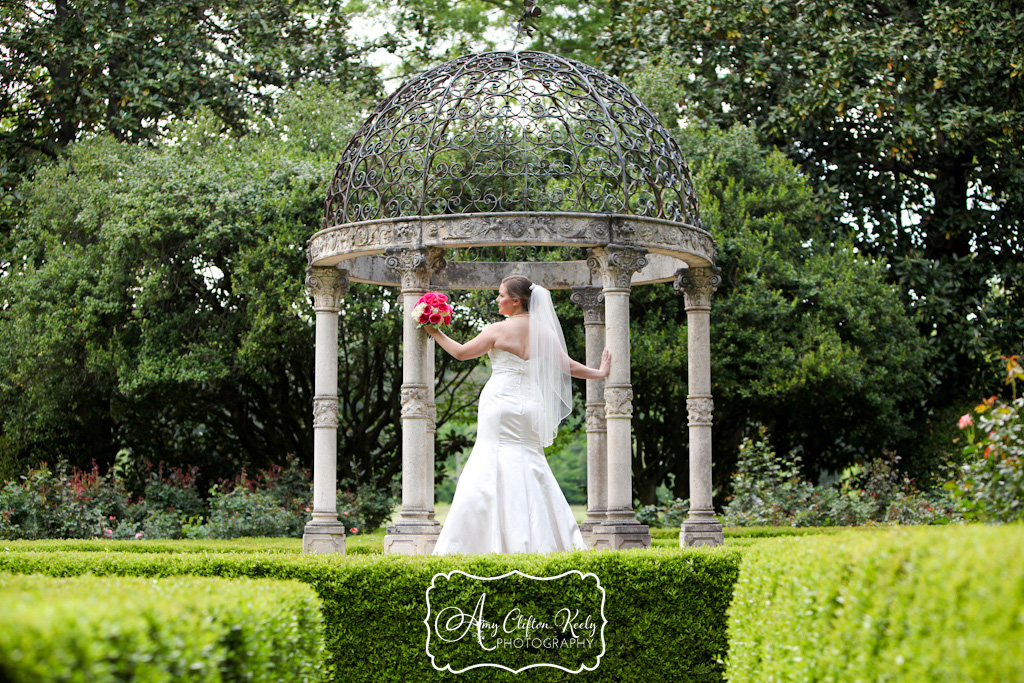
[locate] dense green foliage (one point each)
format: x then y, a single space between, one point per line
907 116
926 604
63 503
174 629
807 337
665 608
771 489
156 307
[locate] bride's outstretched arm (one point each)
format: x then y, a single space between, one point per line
474 348
581 371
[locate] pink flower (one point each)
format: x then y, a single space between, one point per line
108 533
307 509
447 320
112 518
966 421
138 535
435 318
444 308
345 513
354 530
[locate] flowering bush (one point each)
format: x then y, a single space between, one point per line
274 502
769 490
432 309
991 487
62 504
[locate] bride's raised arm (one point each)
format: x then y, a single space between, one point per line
474 348
581 371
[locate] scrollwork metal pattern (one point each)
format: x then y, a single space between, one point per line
507 132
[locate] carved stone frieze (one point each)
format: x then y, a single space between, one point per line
362 237
325 411
618 401
415 266
596 421
327 285
591 300
528 228
640 232
697 285
415 401
617 264
699 410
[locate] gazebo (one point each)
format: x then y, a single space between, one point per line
525 150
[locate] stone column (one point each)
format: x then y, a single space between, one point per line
697 285
591 300
416 532
620 530
324 533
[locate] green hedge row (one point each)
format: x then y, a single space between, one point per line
914 604
149 631
665 608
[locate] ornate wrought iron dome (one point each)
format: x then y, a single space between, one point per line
506 131
511 148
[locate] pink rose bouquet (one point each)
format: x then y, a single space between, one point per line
432 309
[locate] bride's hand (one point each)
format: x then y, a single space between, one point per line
606 363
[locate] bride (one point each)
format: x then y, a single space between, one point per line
507 499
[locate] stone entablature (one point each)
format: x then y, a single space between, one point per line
691 245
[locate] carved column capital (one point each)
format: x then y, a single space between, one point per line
415 266
618 401
699 410
591 300
415 401
697 286
327 285
617 265
596 421
325 412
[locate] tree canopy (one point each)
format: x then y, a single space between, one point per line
908 116
156 305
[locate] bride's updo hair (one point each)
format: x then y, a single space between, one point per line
518 287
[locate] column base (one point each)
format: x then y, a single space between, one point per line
701 527
620 536
416 538
587 527
324 538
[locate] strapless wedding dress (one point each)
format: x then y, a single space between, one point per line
507 500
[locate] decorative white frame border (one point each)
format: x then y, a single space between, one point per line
448 575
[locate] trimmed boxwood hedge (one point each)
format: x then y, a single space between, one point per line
922 604
158 630
665 608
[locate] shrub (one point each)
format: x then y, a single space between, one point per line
245 512
59 504
769 490
168 501
991 488
179 629
364 509
666 609
920 604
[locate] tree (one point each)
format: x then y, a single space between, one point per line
427 32
908 115
72 68
807 338
157 306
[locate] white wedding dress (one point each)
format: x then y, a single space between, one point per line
507 500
